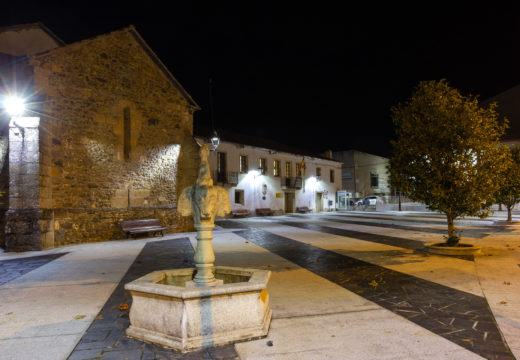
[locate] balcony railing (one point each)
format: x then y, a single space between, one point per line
291 183
225 177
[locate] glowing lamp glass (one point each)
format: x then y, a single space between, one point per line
14 106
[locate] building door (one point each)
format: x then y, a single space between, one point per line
221 168
289 202
318 201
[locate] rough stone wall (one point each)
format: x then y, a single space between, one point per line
4 182
119 138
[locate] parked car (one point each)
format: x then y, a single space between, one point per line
370 201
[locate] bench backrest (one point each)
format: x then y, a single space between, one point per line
132 224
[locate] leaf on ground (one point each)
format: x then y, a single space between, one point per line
100 317
507 283
123 307
77 317
373 283
333 335
139 261
503 302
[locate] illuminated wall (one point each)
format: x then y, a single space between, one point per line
252 183
115 139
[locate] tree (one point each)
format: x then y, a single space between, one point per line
447 154
509 192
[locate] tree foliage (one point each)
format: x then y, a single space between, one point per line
447 154
509 192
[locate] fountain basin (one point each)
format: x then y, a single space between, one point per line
168 312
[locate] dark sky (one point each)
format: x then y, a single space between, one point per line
318 76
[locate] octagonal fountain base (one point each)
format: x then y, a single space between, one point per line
168 312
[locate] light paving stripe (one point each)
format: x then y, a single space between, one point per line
460 317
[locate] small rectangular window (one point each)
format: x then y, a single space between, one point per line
374 180
262 165
298 170
346 175
288 169
239 196
332 176
276 168
243 163
318 171
127 133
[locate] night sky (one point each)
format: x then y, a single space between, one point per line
316 76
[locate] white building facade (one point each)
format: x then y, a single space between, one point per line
260 178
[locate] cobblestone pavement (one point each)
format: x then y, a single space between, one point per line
12 269
106 337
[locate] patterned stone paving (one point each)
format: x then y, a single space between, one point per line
350 220
12 269
105 339
376 238
460 317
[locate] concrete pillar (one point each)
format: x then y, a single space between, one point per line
28 225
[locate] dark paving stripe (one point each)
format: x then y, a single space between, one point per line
472 231
344 220
12 269
413 219
106 338
359 235
460 317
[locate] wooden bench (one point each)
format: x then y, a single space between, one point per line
132 227
264 212
240 213
302 209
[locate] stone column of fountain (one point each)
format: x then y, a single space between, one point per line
185 309
204 201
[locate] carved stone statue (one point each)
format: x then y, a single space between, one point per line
204 201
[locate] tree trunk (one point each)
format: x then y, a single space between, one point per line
400 201
499 207
509 213
453 240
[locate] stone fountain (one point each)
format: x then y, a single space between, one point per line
194 308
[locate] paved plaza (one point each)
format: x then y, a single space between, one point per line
344 285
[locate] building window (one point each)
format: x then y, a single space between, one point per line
262 165
318 172
221 167
239 196
374 180
288 169
331 175
346 175
126 133
298 170
243 163
276 168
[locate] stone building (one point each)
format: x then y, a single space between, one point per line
363 174
509 106
107 136
260 174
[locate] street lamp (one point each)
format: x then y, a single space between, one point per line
14 106
215 140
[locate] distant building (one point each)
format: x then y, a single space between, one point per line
363 174
260 174
108 137
509 106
